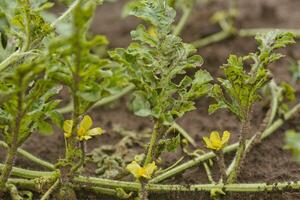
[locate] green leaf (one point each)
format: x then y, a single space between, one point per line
140 105
292 143
156 12
289 92
158 65
45 128
56 118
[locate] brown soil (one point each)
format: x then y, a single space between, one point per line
268 162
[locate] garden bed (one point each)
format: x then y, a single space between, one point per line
267 162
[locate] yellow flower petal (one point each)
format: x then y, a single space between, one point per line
84 137
95 131
214 136
135 169
81 132
68 125
215 140
149 170
152 31
225 137
207 142
86 122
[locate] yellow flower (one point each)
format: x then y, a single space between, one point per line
137 171
152 31
84 132
215 142
68 124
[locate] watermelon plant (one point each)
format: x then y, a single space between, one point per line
48 61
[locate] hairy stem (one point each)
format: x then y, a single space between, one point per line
151 148
275 92
66 13
208 173
185 16
152 188
29 174
12 150
143 193
82 158
50 190
232 176
14 194
221 165
216 37
31 157
183 133
134 186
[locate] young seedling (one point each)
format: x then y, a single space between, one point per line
154 62
158 62
26 105
88 77
242 87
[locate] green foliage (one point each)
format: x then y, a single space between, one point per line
29 102
292 143
75 65
158 64
295 70
26 103
27 25
242 87
287 95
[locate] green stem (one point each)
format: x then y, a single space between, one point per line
10 59
82 158
216 37
271 129
240 187
12 150
72 141
221 165
22 183
183 133
14 194
185 16
31 157
25 173
143 193
134 186
208 173
276 93
232 176
170 167
65 14
50 190
151 148
100 190
251 32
